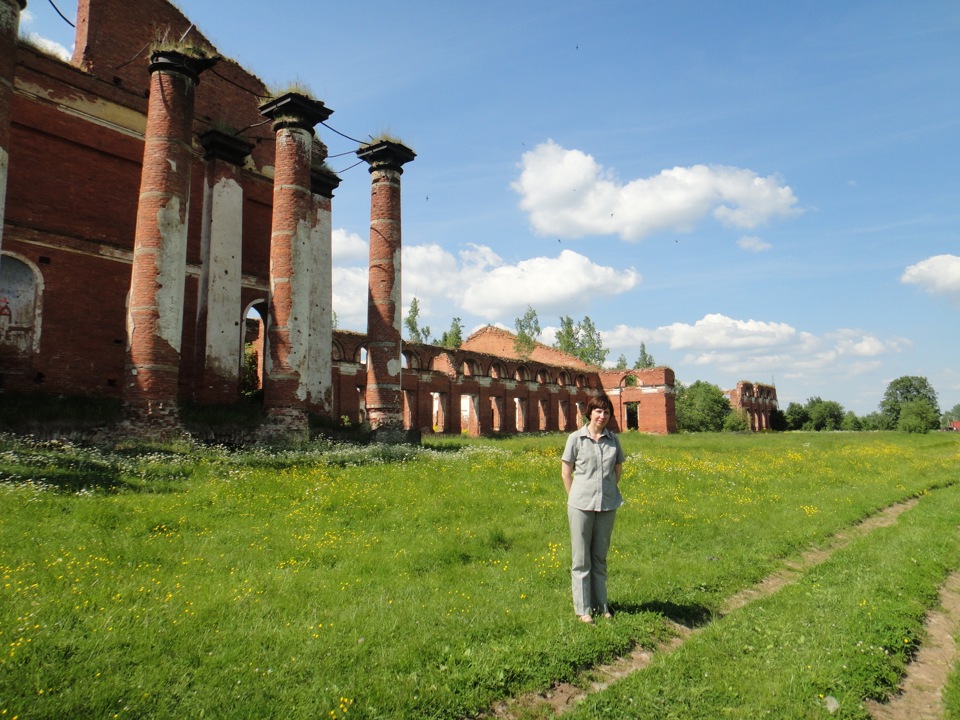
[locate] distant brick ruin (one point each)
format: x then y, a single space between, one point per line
756 400
151 203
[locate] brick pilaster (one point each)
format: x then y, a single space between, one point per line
320 393
220 325
9 27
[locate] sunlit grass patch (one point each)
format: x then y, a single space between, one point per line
386 581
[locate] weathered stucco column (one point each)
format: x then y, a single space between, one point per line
323 182
155 312
287 376
220 324
9 28
384 397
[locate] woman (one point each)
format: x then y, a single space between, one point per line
591 465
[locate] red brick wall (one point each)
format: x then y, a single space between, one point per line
71 210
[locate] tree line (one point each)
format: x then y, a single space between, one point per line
908 405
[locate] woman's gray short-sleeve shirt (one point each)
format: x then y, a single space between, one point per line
594 478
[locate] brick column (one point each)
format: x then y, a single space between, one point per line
287 376
9 27
155 312
320 393
384 398
220 325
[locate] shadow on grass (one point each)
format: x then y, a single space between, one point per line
70 476
690 616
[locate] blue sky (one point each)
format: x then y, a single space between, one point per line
757 191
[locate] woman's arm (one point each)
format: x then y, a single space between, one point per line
566 472
617 469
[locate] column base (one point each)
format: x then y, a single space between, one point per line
388 435
284 424
153 420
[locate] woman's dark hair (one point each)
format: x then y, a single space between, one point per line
597 402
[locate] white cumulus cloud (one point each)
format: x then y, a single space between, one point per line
477 281
753 244
723 347
569 194
937 275
545 283
719 331
348 247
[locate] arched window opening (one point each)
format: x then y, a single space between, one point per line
21 305
254 341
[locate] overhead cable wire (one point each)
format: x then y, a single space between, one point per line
359 142
236 84
341 172
139 53
62 15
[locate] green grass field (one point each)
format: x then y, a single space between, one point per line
379 582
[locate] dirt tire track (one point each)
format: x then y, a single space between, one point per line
921 693
562 697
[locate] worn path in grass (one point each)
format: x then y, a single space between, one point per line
921 689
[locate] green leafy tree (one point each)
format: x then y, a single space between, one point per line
851 422
335 320
249 373
567 339
797 416
778 420
644 360
874 421
414 333
528 332
592 351
903 390
917 416
823 414
736 421
629 380
582 340
701 407
453 338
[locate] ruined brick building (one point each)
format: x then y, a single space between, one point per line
756 400
151 199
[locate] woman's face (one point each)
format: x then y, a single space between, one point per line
599 417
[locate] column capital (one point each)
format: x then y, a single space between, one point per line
175 61
295 110
386 155
220 145
323 181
